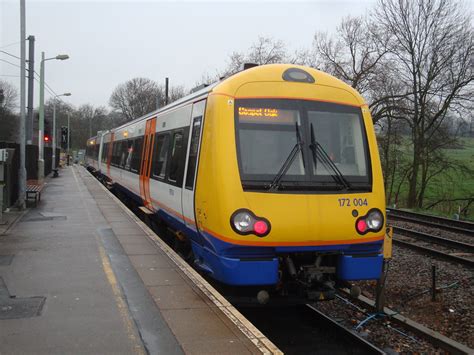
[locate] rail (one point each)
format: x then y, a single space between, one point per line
434 252
466 247
447 224
434 337
353 336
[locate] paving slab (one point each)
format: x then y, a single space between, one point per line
201 319
59 260
99 283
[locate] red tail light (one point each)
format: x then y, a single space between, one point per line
260 227
361 226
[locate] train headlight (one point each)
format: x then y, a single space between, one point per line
371 222
375 220
245 222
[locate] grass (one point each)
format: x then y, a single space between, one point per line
450 184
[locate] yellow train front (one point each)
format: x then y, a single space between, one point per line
289 187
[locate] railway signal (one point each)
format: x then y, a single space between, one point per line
64 135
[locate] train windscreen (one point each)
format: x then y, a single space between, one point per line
299 144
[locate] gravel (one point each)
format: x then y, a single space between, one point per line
379 331
408 288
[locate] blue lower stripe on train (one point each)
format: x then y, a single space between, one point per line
251 265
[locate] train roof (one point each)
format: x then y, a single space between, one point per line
275 73
268 73
191 97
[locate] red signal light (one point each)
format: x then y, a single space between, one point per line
46 138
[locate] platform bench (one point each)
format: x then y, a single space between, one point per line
33 192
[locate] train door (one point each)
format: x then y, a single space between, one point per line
109 153
101 151
145 166
187 200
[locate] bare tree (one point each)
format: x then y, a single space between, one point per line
176 92
9 123
354 54
265 50
357 54
92 119
9 96
8 119
136 97
432 43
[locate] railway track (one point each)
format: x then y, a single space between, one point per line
344 332
303 329
447 224
441 341
454 251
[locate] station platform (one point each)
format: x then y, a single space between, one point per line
81 274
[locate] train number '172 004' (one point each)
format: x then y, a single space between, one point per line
355 202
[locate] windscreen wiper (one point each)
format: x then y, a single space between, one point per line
276 183
326 161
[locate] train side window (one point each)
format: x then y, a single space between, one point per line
117 154
108 146
107 152
160 155
123 153
193 153
114 153
128 154
136 154
177 158
104 153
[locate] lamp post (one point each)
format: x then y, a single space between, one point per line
41 114
55 172
68 136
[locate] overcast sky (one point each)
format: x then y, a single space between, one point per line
110 42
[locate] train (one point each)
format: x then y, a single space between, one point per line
270 176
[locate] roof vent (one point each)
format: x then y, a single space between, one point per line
246 66
298 75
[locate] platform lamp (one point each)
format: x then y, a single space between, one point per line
55 170
41 114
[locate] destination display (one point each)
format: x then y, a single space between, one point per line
266 115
